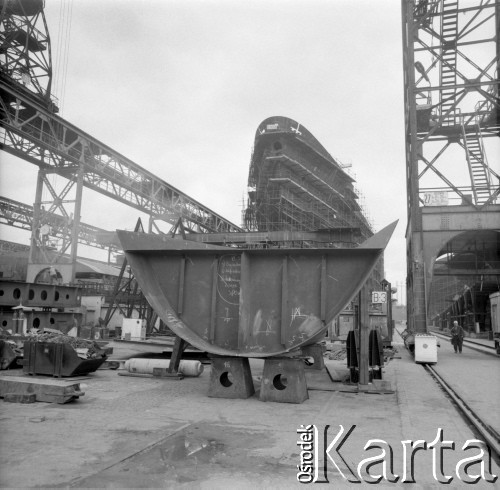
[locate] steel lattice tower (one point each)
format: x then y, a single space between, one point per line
25 55
451 59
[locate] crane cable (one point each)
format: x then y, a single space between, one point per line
57 71
67 39
60 72
63 43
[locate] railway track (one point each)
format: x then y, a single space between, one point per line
482 429
485 431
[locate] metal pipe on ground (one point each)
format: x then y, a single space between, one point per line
146 366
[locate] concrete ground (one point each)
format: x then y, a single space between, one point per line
130 432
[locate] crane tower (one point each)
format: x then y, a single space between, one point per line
452 128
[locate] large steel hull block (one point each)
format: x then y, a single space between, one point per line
248 302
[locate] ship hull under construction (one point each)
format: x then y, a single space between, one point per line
295 184
248 303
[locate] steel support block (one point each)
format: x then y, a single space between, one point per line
316 352
230 377
284 381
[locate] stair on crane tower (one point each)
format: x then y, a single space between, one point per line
448 76
477 164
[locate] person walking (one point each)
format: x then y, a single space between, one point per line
457 337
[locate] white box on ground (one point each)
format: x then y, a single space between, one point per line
426 349
133 329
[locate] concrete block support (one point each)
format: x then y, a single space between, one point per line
230 377
316 352
284 381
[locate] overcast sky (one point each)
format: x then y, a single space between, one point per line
180 86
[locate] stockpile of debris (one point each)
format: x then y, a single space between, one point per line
338 354
336 351
85 349
390 353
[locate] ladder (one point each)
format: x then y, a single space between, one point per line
477 163
448 65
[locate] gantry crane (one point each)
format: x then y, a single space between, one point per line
451 60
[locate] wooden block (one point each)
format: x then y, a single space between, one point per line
45 389
134 375
20 398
